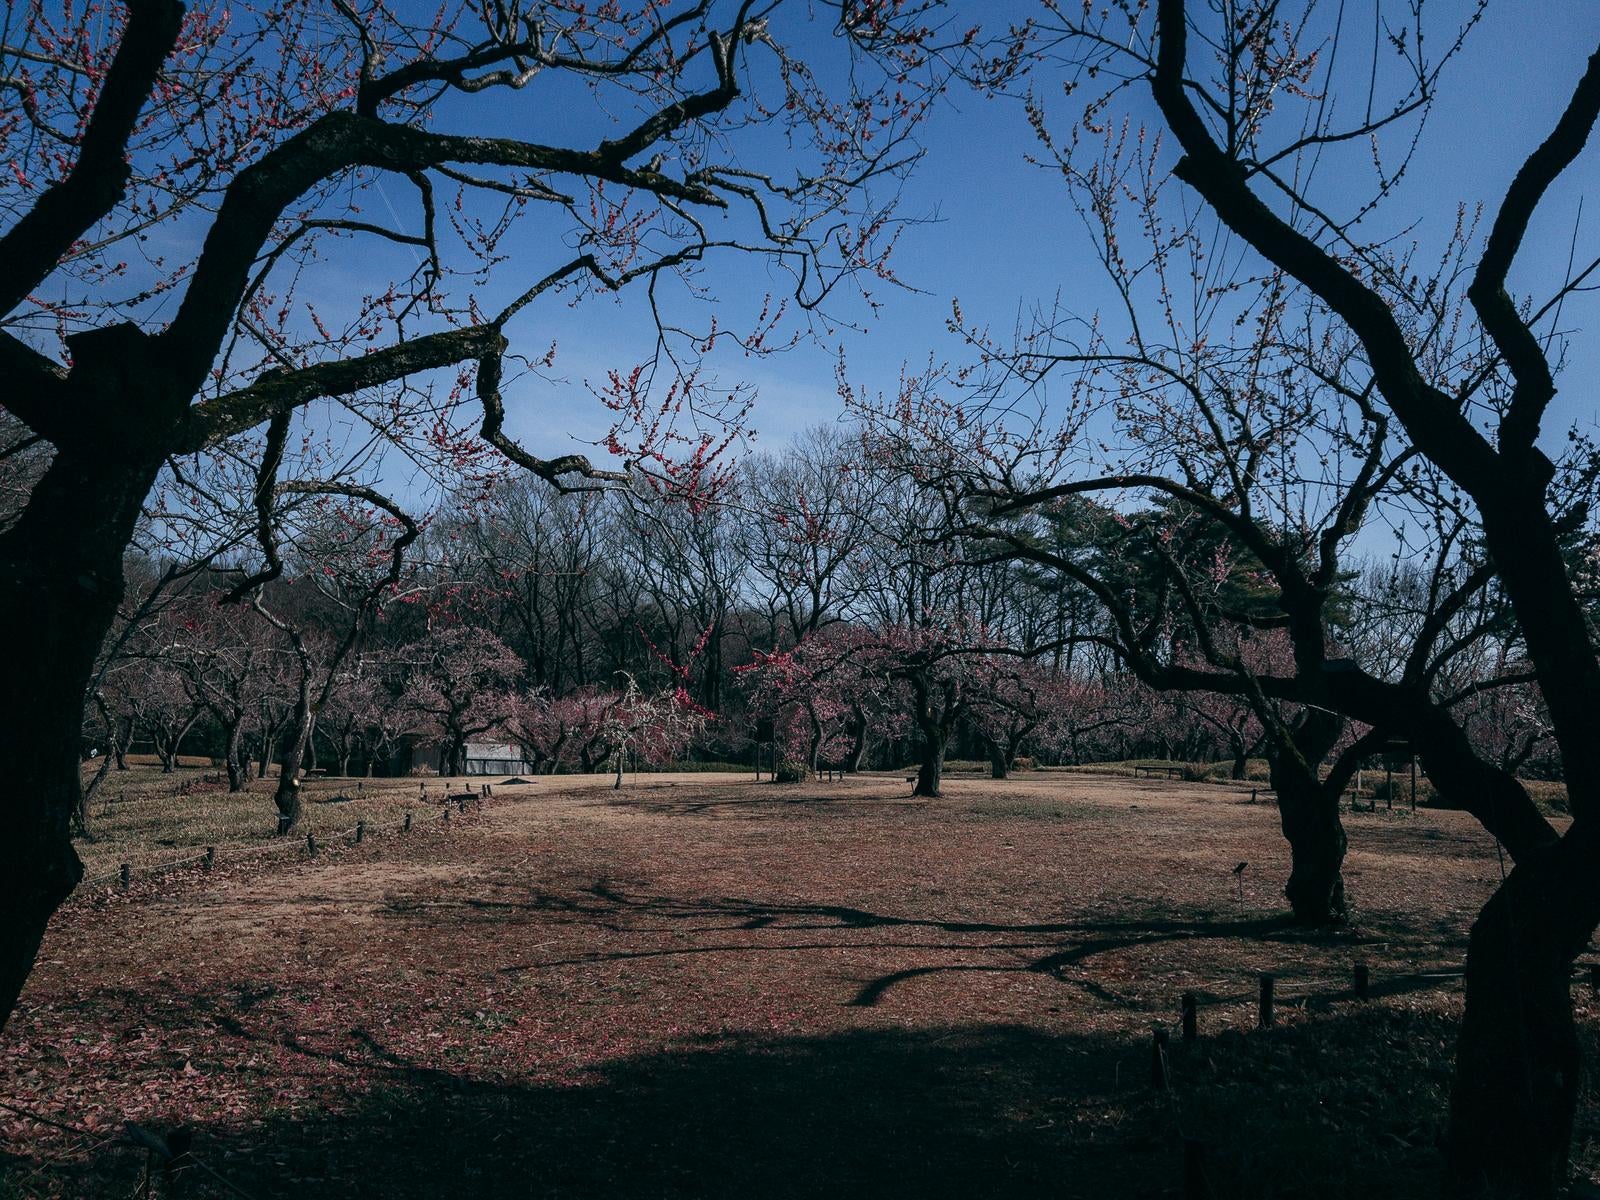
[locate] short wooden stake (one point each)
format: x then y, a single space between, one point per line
1158 1060
1252 795
1363 981
211 857
407 826
1266 1002
125 873
361 831
1191 1017
446 817
311 844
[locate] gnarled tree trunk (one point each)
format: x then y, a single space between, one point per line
60 584
935 722
287 795
238 768
1518 1061
1308 811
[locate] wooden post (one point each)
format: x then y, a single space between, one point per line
311 844
1266 1002
1158 1060
1252 795
446 817
211 857
407 825
1363 981
1191 1017
361 831
125 873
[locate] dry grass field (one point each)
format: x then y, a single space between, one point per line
702 986
147 820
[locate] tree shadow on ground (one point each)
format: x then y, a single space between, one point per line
1060 945
1346 1105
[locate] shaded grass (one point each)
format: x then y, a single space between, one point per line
1352 1104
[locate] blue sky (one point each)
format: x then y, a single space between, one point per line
1000 236
998 233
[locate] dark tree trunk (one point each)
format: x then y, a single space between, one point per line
555 754
455 757
287 796
1241 762
60 584
80 813
1518 1060
1308 812
1310 820
999 766
935 723
858 746
169 742
237 774
930 773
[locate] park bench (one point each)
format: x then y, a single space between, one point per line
462 799
1152 768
